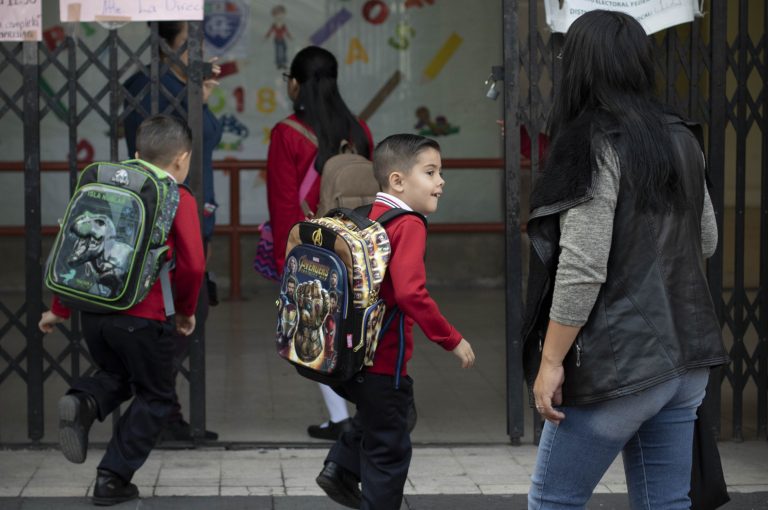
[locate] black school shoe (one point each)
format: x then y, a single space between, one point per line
110 489
332 431
76 414
340 485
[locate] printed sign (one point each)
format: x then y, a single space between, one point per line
654 15
21 21
136 10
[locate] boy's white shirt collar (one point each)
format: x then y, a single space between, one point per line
391 201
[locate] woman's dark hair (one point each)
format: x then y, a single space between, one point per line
169 30
608 70
320 105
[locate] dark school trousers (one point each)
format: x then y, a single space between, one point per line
134 357
378 448
182 344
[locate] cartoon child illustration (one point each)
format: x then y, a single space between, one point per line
280 32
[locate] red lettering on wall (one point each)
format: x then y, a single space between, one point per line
375 12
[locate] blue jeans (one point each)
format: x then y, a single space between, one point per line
654 431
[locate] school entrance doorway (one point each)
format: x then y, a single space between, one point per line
419 68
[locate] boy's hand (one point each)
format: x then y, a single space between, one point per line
185 324
465 353
48 321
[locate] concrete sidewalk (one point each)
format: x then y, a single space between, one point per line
445 477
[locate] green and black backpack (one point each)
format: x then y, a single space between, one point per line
111 247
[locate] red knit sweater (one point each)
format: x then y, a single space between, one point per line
404 285
185 241
289 157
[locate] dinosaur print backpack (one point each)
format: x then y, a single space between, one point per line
111 246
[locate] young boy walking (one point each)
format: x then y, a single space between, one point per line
134 350
377 451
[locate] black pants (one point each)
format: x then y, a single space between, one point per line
182 346
378 448
135 359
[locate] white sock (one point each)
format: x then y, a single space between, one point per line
337 406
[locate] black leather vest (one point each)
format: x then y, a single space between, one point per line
653 318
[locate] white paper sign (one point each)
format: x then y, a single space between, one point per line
130 10
21 20
654 15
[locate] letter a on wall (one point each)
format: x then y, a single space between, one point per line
356 51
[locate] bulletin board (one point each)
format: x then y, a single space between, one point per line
414 66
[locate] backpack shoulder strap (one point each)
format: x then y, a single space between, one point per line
309 135
390 215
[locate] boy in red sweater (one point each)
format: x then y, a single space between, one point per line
134 350
377 452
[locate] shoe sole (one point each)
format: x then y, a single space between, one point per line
70 440
111 501
339 497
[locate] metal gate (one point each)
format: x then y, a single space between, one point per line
113 61
714 71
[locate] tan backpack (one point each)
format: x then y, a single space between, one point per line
347 180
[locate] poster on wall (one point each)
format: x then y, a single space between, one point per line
410 66
71 11
653 15
21 21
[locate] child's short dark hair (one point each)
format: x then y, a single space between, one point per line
398 152
160 138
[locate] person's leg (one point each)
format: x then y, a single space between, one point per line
340 476
147 350
92 397
337 406
337 411
385 449
657 459
109 385
573 456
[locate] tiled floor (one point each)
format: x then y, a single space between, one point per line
255 397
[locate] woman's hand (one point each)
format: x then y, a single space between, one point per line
211 82
548 390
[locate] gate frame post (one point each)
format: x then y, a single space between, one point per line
197 399
32 240
512 241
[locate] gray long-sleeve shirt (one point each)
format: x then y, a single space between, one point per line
585 243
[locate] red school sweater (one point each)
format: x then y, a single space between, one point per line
404 285
290 154
186 242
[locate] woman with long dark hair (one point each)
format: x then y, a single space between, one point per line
620 330
299 147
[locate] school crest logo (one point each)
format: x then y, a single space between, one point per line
224 24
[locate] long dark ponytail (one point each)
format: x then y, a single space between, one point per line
320 105
608 72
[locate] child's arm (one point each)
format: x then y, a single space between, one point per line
57 314
406 268
464 352
48 321
190 259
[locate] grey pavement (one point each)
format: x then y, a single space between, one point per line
492 476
